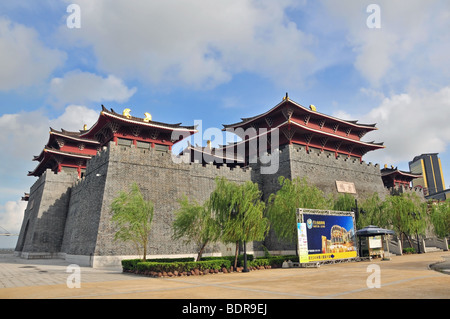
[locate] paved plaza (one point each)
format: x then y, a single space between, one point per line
403 277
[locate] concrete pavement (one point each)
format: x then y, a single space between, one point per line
405 277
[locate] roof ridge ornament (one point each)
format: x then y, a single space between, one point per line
148 117
126 113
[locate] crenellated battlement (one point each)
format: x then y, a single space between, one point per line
331 157
397 190
166 159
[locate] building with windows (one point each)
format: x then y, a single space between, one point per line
432 179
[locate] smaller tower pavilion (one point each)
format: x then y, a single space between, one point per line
393 177
67 150
125 129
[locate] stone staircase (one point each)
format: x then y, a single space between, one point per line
435 244
432 249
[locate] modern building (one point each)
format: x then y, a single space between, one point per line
430 167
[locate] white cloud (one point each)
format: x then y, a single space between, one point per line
410 124
25 60
412 43
26 133
341 114
27 129
74 117
78 87
11 216
198 44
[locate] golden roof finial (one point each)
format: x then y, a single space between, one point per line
208 143
148 117
313 108
85 127
126 113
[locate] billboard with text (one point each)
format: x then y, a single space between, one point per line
330 235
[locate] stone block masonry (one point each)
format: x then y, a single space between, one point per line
45 216
322 170
70 218
89 233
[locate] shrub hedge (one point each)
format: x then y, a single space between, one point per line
131 264
240 262
182 266
409 250
212 263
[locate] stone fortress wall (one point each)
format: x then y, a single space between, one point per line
70 218
79 215
322 170
45 216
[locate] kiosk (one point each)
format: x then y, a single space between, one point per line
374 235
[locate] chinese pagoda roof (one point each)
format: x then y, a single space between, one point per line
395 171
48 154
219 153
287 101
108 115
371 145
306 126
74 136
51 150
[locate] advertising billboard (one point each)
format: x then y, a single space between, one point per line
330 235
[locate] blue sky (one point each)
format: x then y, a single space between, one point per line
218 61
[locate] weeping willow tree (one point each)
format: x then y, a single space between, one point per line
407 215
195 223
282 205
344 202
375 213
133 216
440 218
239 212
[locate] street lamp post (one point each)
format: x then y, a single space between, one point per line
357 212
416 216
234 213
245 258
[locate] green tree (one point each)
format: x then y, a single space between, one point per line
406 214
195 223
374 209
283 205
344 202
440 218
133 216
239 212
